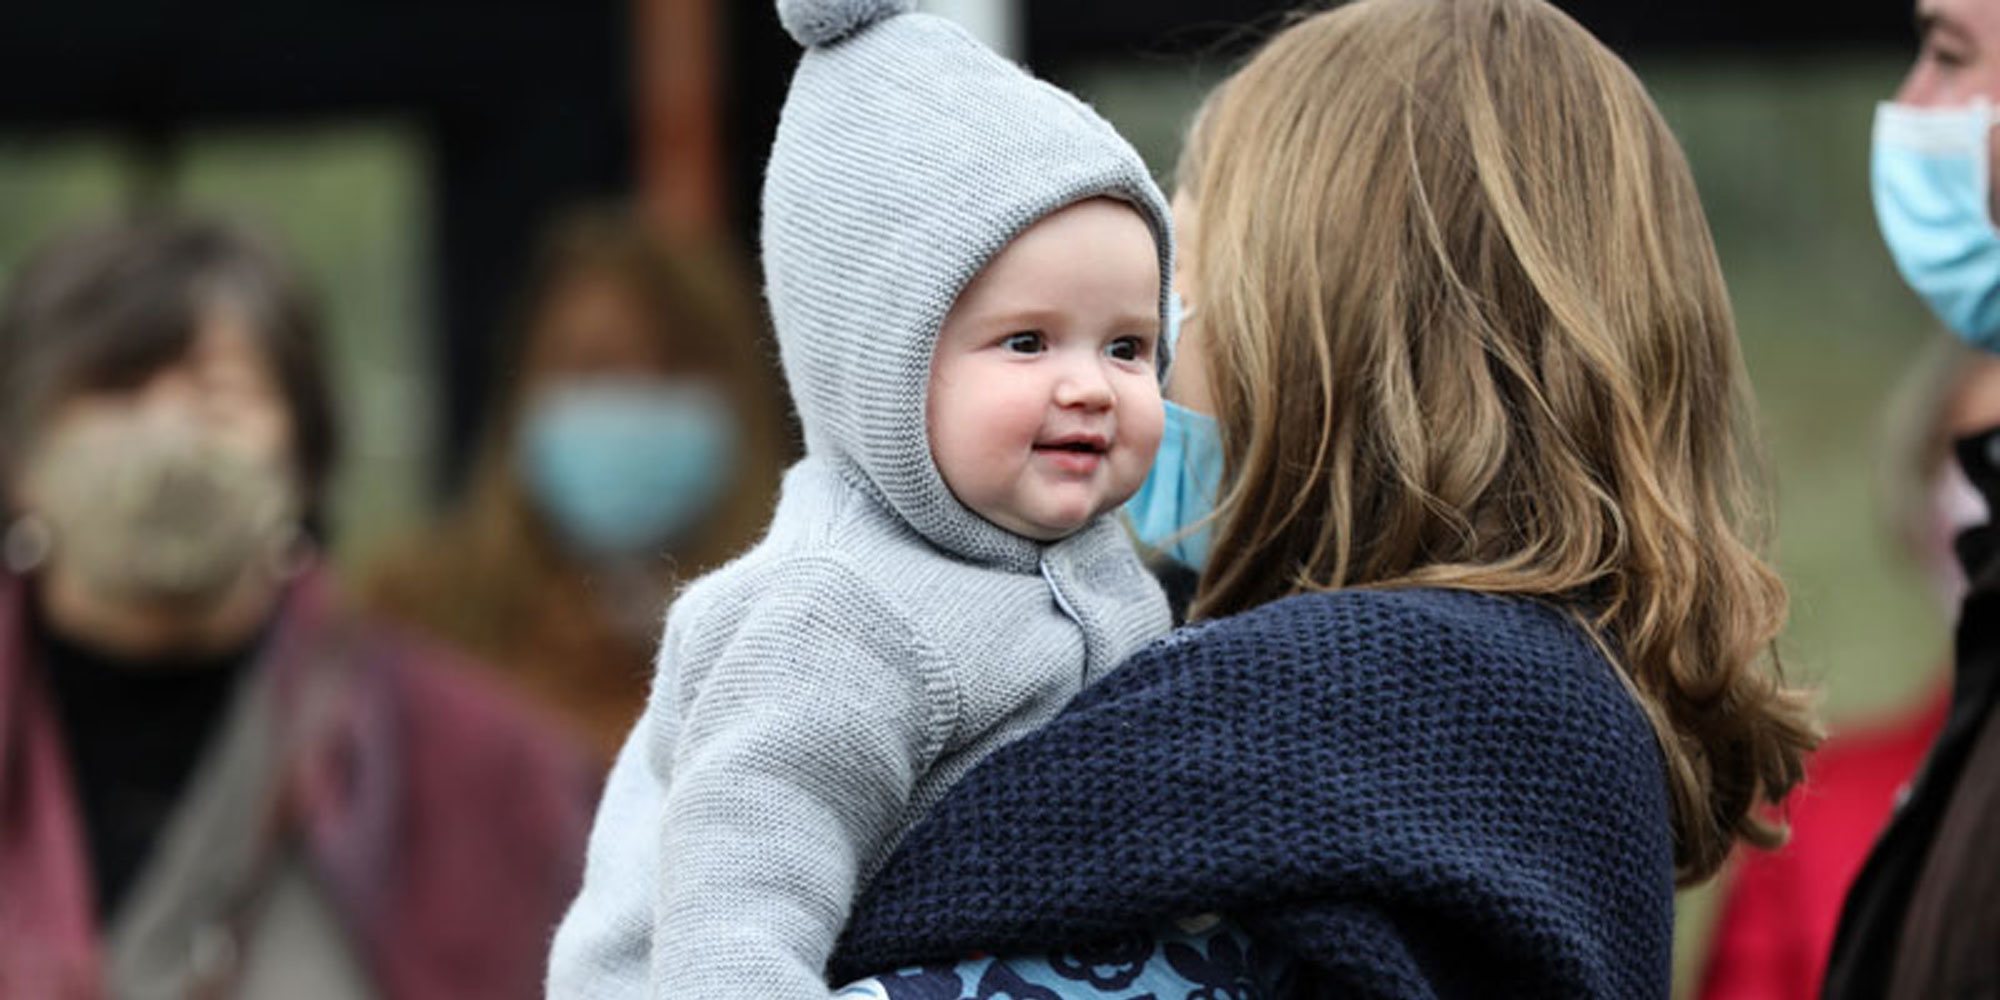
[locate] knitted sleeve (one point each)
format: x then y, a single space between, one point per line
799 740
1418 793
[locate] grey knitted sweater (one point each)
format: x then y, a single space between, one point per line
813 698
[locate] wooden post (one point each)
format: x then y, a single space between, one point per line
677 74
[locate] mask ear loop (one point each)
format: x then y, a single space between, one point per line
27 545
1178 312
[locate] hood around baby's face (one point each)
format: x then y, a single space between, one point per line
908 155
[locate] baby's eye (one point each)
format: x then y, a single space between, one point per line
1127 349
1027 342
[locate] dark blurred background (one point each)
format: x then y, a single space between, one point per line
409 153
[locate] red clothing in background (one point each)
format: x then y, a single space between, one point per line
1781 908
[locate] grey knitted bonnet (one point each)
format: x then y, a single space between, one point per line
907 156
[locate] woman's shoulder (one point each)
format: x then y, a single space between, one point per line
1438 648
1427 622
1390 606
1468 757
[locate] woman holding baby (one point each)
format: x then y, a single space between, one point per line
1457 440
1483 664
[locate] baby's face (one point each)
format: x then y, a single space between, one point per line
1044 406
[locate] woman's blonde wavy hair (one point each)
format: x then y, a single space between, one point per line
1465 328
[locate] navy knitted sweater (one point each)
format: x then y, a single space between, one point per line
1418 793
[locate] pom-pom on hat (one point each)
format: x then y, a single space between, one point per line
819 22
907 156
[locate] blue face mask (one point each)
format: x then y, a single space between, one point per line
1171 509
620 465
1931 181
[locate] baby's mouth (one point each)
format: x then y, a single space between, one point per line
1076 444
1078 455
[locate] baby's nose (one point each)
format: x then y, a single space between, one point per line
1084 386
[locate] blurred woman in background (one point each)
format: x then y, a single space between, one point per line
639 441
214 780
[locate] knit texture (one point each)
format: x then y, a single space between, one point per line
814 698
811 701
1421 793
821 22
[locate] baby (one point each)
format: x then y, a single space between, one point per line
965 267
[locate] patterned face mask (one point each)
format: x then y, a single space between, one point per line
147 509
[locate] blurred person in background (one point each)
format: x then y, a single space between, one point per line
1920 919
215 781
1777 920
639 442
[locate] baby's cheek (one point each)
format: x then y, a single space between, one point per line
1145 424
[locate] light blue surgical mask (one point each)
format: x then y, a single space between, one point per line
1170 512
623 464
1931 180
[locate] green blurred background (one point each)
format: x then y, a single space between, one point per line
1779 147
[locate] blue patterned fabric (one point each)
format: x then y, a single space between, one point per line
1202 958
1415 793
